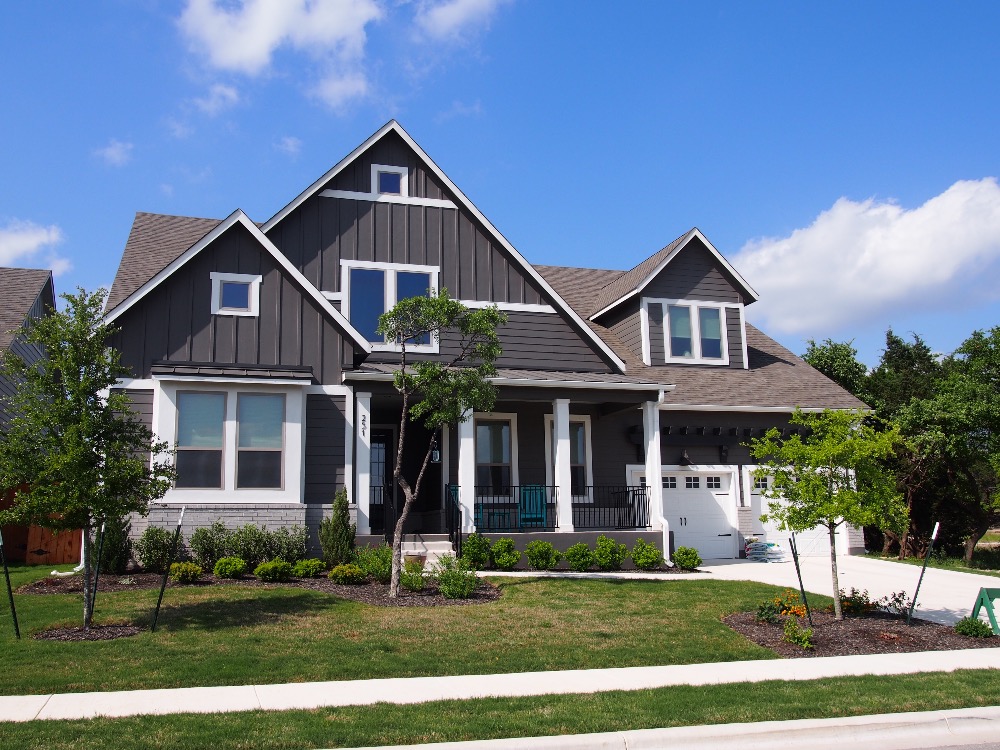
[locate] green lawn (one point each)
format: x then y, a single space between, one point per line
517 717
985 560
238 635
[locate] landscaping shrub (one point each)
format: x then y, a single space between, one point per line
646 556
476 551
336 534
973 628
897 604
542 555
251 544
153 549
229 567
348 574
788 603
308 568
288 543
376 562
687 558
185 572
768 611
609 554
504 554
116 548
579 557
209 544
797 635
411 577
275 570
856 603
455 580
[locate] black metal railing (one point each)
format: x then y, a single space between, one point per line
515 508
610 507
453 518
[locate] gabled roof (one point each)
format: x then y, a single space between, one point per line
393 126
631 283
19 290
237 217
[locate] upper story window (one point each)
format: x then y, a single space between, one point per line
235 294
685 331
370 289
389 180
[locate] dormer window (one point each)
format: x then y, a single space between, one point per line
235 294
694 332
389 180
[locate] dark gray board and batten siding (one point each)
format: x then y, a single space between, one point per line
325 425
29 353
174 322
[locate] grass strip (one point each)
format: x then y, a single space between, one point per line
985 561
483 719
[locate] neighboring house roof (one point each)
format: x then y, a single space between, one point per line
775 379
19 290
629 283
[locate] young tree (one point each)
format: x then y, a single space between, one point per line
830 475
73 445
438 393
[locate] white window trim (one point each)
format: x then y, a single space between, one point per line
498 416
588 453
390 270
404 179
242 278
694 306
293 457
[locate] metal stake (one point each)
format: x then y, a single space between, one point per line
166 572
97 569
10 592
798 572
930 548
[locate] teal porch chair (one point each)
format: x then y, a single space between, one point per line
532 507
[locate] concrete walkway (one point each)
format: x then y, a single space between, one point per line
423 689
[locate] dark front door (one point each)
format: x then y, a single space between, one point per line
381 480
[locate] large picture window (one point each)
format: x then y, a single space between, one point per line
260 440
200 421
373 288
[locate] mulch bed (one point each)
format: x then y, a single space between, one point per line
876 633
96 633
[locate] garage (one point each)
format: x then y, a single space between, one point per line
812 543
695 504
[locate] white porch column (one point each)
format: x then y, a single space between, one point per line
363 461
654 472
562 475
467 473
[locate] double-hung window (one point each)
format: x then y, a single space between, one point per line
200 438
371 289
494 457
695 332
260 421
579 455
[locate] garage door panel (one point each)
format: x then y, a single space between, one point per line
695 507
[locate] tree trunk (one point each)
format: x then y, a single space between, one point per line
970 544
397 543
88 613
838 613
888 540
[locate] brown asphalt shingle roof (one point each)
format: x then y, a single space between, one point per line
19 288
627 281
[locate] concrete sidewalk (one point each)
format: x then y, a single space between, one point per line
423 689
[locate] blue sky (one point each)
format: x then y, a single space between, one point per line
844 157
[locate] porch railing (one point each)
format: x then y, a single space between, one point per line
611 507
516 508
453 518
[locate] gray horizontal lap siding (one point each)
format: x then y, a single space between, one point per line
324 447
693 274
734 338
657 345
174 321
626 324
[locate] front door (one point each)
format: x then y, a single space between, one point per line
382 446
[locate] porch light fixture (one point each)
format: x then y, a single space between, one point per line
435 456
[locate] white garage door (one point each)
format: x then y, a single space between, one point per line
812 543
694 505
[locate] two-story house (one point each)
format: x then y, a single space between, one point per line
625 396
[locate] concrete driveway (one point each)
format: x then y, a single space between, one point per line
945 596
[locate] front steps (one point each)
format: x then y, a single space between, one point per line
432 546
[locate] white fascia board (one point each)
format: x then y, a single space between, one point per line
768 409
228 379
394 126
478 304
235 217
600 385
403 200
663 264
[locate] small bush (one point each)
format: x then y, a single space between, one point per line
897 604
504 554
687 558
116 547
454 578
185 572
154 549
308 568
209 544
646 556
788 603
376 562
973 628
609 554
275 570
251 544
336 534
579 557
797 635
542 555
411 577
229 567
768 612
476 551
348 574
857 603
288 543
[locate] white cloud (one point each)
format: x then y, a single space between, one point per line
220 97
861 260
116 153
244 38
451 20
20 241
289 144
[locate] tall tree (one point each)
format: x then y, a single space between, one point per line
436 393
838 360
829 475
74 446
907 370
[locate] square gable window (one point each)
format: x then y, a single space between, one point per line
235 294
390 180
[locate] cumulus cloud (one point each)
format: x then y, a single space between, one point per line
861 260
289 145
116 153
451 20
21 241
220 98
244 38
